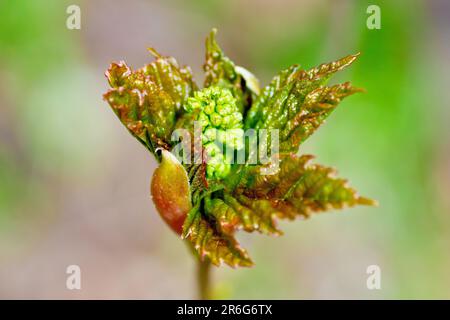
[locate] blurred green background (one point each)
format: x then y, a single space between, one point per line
74 185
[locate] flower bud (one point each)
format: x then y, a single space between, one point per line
171 192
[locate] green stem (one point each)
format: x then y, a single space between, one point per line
203 279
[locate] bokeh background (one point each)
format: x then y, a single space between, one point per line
74 185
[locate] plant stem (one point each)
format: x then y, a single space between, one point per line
203 279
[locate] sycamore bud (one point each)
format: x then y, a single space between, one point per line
171 192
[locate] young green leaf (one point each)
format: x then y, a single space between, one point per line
297 189
208 242
221 71
296 100
148 100
317 106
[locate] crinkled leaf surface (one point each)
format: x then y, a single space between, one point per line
211 243
298 188
296 102
148 100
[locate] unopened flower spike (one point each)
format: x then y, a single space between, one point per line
207 201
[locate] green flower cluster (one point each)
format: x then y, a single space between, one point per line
222 126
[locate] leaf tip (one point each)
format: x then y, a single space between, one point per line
154 53
367 202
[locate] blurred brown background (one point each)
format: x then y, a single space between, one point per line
74 185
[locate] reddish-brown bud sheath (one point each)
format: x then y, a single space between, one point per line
171 192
